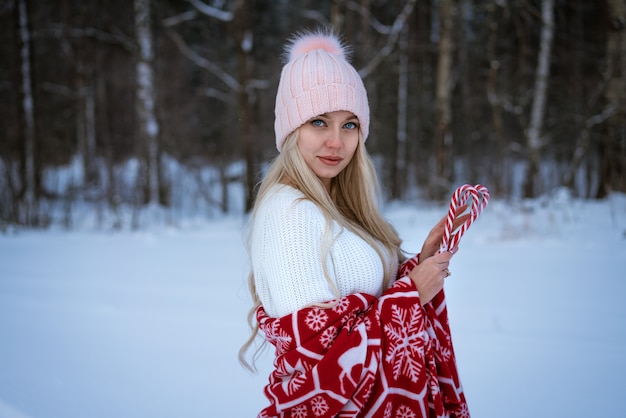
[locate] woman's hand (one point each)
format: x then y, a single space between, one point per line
429 275
432 270
433 240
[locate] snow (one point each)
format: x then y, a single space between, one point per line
148 323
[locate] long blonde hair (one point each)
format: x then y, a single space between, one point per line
352 203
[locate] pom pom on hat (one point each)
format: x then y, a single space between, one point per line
317 79
311 42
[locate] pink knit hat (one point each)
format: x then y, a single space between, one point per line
317 79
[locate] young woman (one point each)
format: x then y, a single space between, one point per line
358 330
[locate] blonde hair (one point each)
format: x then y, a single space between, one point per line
352 203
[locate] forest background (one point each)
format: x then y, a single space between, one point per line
165 107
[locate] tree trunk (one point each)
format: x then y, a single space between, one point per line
465 71
399 169
113 199
583 143
534 142
27 117
443 133
86 125
497 137
146 100
91 173
243 32
613 146
337 17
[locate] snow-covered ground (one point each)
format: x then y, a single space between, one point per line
147 324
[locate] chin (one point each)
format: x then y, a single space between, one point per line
327 175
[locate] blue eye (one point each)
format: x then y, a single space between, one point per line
317 122
351 125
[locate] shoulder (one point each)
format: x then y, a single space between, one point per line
285 218
287 203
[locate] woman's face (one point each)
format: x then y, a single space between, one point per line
328 142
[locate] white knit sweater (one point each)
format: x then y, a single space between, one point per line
285 252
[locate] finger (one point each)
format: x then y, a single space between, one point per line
460 209
443 258
460 221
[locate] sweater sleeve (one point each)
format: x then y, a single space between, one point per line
286 255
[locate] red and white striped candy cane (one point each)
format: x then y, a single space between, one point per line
479 196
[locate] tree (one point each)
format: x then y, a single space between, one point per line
29 206
475 78
495 105
146 100
395 40
443 91
242 26
243 86
399 168
534 140
612 147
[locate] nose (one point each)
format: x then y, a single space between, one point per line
334 139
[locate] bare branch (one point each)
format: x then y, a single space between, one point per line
61 90
583 142
180 18
258 84
392 39
532 10
203 62
374 23
211 11
59 30
218 95
607 113
315 16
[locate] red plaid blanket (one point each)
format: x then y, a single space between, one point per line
365 357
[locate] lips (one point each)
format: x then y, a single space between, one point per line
331 160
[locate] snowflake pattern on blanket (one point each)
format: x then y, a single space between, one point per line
385 357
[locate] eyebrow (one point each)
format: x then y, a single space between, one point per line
351 117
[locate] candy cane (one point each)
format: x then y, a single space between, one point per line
479 196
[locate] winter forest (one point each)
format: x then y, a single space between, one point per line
166 106
135 133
